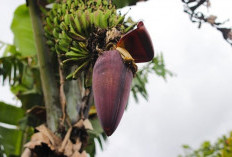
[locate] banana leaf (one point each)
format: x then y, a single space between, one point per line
22 28
10 114
10 140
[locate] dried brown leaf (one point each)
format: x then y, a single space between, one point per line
55 141
230 35
211 19
84 154
26 153
36 140
208 4
87 124
79 124
68 151
66 140
112 34
44 136
77 145
76 154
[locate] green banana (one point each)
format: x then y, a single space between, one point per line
66 19
103 23
76 36
63 8
49 23
69 4
72 24
68 26
106 18
84 23
63 26
120 20
97 18
50 43
56 23
76 2
74 59
130 27
92 19
80 47
74 54
55 33
78 25
80 51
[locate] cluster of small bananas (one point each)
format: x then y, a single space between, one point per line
69 25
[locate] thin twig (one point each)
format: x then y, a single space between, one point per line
62 96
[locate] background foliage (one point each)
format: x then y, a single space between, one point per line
221 148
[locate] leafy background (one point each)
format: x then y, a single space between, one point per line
189 108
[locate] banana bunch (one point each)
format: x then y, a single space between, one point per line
69 27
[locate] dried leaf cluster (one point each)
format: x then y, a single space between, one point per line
45 142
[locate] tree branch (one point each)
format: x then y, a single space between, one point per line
200 17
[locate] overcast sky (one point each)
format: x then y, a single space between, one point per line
193 106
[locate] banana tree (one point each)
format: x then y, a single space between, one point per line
51 70
72 65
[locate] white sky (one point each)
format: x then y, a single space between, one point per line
194 106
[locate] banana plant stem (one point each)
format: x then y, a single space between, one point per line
47 68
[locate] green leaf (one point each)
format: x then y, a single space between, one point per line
2 44
31 99
10 114
91 147
100 142
206 144
156 66
97 133
186 146
10 49
11 140
11 68
222 148
139 85
22 29
96 126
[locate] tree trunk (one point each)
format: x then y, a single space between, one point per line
47 69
